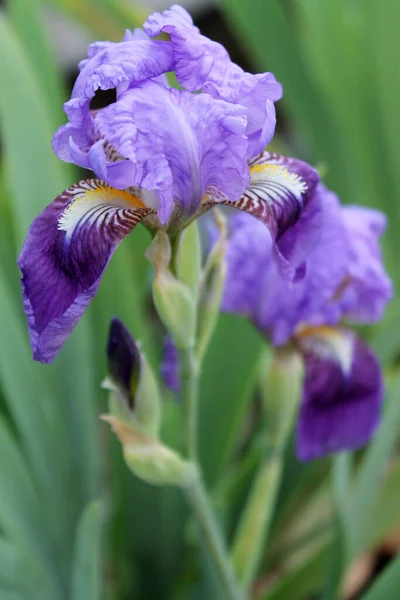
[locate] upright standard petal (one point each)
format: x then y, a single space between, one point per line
342 393
368 288
181 145
202 64
109 66
64 255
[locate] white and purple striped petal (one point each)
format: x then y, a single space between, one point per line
342 393
64 255
202 64
281 193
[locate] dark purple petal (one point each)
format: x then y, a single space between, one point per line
368 288
178 144
170 366
279 190
123 359
342 393
279 193
64 255
202 64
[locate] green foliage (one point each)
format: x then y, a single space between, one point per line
74 524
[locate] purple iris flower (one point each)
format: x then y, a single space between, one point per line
344 281
161 156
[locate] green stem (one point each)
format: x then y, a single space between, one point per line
256 520
200 504
196 494
189 391
281 382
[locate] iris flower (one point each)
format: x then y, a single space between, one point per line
160 156
344 282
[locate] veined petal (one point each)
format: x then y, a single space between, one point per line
180 144
279 190
202 64
64 255
342 393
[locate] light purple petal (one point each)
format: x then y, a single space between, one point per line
202 64
258 286
180 144
369 288
342 394
120 63
64 255
327 265
110 65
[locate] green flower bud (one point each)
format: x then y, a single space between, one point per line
281 381
188 258
134 391
149 459
212 287
173 299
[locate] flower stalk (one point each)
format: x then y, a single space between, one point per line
196 493
281 381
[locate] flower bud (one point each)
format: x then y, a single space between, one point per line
188 258
212 287
134 391
149 459
281 381
172 298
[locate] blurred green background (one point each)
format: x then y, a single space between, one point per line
74 523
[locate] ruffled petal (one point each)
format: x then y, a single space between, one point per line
367 288
119 63
202 64
110 65
180 144
64 255
342 393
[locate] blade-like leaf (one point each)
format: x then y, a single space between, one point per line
86 575
23 520
226 389
367 483
387 586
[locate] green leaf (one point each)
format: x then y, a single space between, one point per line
301 581
367 483
86 574
387 586
34 174
27 19
226 389
23 519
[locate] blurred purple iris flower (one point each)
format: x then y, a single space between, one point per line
162 156
344 281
